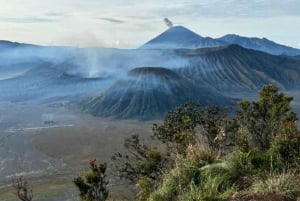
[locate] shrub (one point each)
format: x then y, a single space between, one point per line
266 118
93 185
179 127
287 146
146 186
23 192
139 161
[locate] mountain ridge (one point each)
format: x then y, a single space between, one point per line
236 68
180 37
260 44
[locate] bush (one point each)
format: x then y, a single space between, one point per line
266 118
179 127
146 186
287 146
23 192
139 161
93 185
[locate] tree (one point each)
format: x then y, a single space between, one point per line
179 127
140 165
266 118
93 185
138 160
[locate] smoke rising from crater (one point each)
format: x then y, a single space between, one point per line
168 22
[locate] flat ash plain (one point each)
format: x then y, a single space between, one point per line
50 144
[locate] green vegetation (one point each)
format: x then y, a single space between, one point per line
180 125
212 156
93 185
285 183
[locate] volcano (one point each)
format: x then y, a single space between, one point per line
148 93
179 37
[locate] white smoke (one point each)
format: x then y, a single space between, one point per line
168 22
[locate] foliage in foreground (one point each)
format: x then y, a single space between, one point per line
264 138
285 183
93 185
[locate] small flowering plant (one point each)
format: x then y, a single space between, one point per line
93 184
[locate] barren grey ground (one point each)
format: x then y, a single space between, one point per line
51 154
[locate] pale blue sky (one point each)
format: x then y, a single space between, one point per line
130 23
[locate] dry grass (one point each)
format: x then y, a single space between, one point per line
201 153
286 183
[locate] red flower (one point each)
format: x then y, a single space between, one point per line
93 161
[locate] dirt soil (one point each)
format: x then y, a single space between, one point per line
260 197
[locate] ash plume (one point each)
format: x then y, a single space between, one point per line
168 22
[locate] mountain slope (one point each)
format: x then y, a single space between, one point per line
148 93
46 81
263 44
179 37
236 68
8 44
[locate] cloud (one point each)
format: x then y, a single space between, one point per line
44 17
111 20
118 20
230 8
54 14
27 20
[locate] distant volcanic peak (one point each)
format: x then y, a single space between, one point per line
179 37
181 31
173 38
154 71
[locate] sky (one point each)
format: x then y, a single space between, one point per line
131 23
